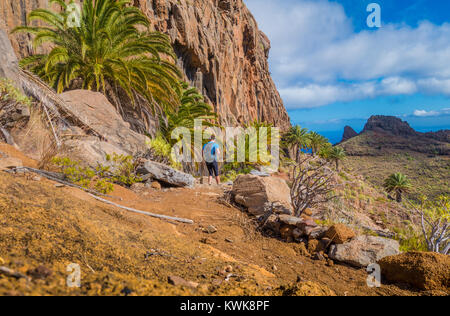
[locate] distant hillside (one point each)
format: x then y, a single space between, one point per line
387 145
383 134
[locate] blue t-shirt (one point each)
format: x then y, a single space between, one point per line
210 151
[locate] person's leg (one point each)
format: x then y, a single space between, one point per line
216 172
211 172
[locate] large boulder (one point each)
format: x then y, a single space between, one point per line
94 110
91 151
166 174
423 270
8 59
364 250
256 192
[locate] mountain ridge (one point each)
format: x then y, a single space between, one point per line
384 133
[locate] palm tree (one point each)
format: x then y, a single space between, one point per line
111 50
336 154
397 183
192 107
316 142
297 139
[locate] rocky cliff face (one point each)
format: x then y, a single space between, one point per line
219 46
390 124
348 133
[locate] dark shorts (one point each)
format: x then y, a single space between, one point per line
213 168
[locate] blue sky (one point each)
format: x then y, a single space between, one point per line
333 70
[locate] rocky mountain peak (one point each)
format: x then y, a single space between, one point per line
390 124
348 133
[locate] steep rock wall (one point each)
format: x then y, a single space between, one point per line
219 47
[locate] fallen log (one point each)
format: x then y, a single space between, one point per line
170 218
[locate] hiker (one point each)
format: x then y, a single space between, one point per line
210 153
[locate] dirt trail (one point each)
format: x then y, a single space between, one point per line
44 225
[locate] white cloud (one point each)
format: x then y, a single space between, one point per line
317 58
424 113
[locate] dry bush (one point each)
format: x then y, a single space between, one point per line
36 138
312 183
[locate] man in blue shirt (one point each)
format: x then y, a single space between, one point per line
211 151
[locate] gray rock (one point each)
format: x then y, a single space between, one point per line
290 220
259 173
364 250
166 174
255 192
318 232
8 59
94 109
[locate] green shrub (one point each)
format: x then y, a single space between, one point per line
410 239
122 171
8 92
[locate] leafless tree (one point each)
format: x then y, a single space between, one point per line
435 222
312 183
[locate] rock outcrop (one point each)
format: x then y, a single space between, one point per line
389 124
423 270
259 193
166 174
94 110
364 250
219 47
8 59
348 133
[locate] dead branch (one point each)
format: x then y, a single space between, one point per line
312 183
176 219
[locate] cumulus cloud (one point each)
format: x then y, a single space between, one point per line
424 113
317 58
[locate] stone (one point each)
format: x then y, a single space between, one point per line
156 185
254 192
94 109
273 224
210 229
10 163
166 174
422 270
91 151
307 226
364 250
297 233
8 59
290 220
318 232
339 233
177 281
